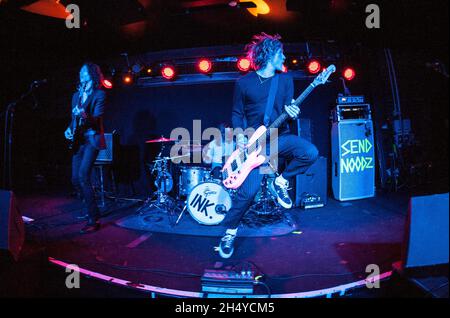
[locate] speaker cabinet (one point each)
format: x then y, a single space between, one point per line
109 154
12 232
427 240
353 159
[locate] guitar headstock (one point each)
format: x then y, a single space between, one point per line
323 77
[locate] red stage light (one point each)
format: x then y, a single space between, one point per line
168 72
349 73
127 79
204 65
314 67
107 84
285 69
243 64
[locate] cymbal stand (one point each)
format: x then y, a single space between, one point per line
267 202
160 199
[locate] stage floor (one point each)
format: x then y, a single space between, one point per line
329 246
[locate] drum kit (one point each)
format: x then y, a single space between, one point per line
205 198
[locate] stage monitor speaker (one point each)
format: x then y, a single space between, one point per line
427 240
12 232
353 159
312 185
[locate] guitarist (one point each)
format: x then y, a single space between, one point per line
87 137
249 104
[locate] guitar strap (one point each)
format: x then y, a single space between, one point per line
271 99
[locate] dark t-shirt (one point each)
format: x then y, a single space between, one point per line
250 99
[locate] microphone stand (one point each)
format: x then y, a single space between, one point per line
346 90
8 138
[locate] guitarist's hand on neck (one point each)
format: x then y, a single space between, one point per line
292 110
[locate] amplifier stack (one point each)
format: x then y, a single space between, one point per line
352 145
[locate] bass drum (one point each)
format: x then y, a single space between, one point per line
208 203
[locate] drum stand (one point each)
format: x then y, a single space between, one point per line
160 199
266 204
181 214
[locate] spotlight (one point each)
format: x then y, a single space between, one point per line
349 73
127 79
168 72
204 65
294 63
314 67
148 71
107 83
243 64
136 68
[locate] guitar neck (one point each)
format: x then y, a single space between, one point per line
305 94
284 116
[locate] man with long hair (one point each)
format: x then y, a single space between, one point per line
251 96
87 137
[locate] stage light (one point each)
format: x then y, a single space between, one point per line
204 65
284 69
127 79
243 64
261 7
314 67
50 8
294 63
168 72
349 73
136 68
149 71
107 83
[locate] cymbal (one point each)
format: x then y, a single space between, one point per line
162 139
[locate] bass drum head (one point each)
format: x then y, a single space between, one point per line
208 203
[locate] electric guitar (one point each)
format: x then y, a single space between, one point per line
75 128
242 162
76 123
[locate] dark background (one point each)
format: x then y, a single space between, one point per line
36 47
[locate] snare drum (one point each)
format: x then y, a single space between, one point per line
190 177
208 203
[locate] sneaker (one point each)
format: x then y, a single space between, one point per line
90 227
226 248
280 188
83 216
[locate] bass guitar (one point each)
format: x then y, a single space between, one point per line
242 162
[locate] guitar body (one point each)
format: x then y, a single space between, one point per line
239 165
75 126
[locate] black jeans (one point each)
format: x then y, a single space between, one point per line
82 163
300 153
